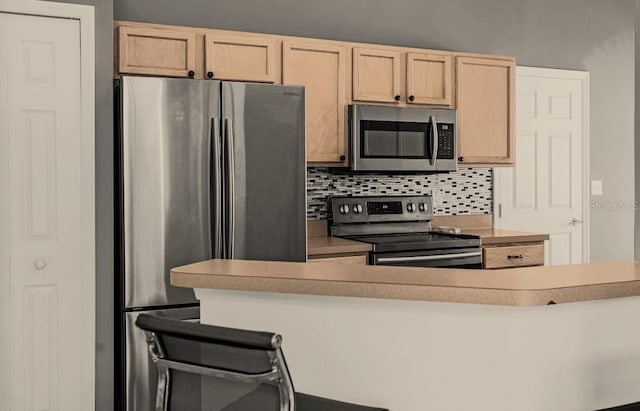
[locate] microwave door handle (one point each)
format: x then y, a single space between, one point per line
434 140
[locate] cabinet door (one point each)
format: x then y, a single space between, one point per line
321 68
229 57
157 52
485 92
376 75
429 79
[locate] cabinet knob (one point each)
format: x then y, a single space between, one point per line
397 98
411 98
40 264
342 158
210 74
191 73
461 159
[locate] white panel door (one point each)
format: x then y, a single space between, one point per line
47 216
545 191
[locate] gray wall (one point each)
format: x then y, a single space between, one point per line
592 35
104 200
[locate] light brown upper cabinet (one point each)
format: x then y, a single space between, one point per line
429 79
379 76
241 58
376 75
322 68
485 94
156 52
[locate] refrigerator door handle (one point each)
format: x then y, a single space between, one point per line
217 188
230 177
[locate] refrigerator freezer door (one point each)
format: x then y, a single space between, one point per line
264 152
140 372
168 198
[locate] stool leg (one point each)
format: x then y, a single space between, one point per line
162 397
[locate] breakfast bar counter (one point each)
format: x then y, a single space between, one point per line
527 286
412 339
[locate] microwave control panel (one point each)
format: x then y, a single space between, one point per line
446 141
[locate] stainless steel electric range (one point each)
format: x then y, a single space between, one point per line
399 230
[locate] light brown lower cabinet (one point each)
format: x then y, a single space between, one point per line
361 259
513 255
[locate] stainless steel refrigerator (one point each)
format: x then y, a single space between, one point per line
205 169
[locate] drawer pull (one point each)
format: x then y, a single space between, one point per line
515 257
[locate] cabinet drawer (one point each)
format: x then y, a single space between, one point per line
351 259
513 256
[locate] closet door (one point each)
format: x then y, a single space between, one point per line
46 215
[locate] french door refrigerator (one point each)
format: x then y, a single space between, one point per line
205 169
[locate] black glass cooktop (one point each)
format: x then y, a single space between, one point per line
417 241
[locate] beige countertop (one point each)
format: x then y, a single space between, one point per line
327 245
491 236
529 286
333 245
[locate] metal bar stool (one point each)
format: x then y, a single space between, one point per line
205 367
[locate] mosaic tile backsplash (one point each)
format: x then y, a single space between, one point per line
466 191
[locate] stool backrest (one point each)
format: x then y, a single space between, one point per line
205 367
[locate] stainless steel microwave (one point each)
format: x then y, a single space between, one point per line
385 138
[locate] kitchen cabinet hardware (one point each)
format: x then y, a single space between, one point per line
574 221
158 51
486 114
237 56
316 64
342 157
376 74
428 78
513 255
402 75
40 264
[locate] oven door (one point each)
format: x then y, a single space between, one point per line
449 258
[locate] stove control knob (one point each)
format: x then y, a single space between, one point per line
344 209
411 207
357 208
422 207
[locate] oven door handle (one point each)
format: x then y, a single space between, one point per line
434 140
428 257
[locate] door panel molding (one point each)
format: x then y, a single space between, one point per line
37 295
559 107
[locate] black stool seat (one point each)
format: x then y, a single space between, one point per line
205 367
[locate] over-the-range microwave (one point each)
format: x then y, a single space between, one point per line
402 139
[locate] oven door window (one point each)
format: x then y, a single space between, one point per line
394 139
